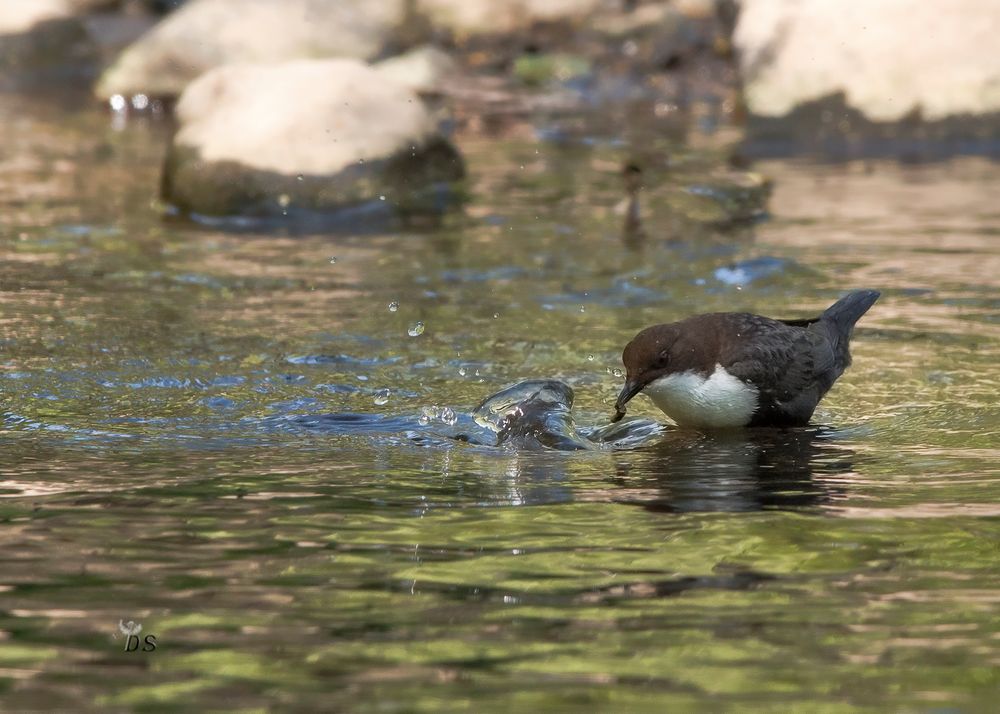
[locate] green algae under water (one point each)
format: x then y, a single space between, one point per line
157 465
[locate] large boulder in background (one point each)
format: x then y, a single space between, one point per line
19 16
310 135
204 34
472 17
887 57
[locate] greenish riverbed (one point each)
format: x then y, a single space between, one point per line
160 465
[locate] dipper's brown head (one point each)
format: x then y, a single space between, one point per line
647 358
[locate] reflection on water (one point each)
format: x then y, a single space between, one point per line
234 442
747 470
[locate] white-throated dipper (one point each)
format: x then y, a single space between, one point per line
733 369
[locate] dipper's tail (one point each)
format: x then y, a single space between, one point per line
848 310
839 319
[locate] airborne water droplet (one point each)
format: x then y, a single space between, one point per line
393 306
382 397
381 198
496 315
429 414
462 371
590 358
416 329
617 372
448 416
333 259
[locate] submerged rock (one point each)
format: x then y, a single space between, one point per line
204 34
888 57
725 197
318 135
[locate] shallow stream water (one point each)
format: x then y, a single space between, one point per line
245 443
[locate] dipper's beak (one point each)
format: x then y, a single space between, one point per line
630 389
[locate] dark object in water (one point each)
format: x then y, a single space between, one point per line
632 232
734 369
533 413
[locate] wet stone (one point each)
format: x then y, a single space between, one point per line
345 136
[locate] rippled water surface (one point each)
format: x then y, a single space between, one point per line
234 440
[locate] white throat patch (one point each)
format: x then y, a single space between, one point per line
717 401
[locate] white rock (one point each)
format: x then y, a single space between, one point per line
889 57
424 69
308 116
204 34
17 16
319 134
467 17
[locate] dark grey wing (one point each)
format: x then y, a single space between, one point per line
792 368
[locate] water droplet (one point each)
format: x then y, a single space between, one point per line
617 372
284 199
361 161
381 198
496 315
393 306
140 101
583 309
300 177
333 259
448 416
462 371
382 397
416 329
477 372
590 358
118 103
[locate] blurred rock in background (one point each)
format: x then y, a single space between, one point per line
306 137
205 34
863 76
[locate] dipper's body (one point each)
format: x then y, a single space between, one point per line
733 369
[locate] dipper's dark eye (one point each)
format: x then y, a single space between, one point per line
662 361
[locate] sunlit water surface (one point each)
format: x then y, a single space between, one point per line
234 440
